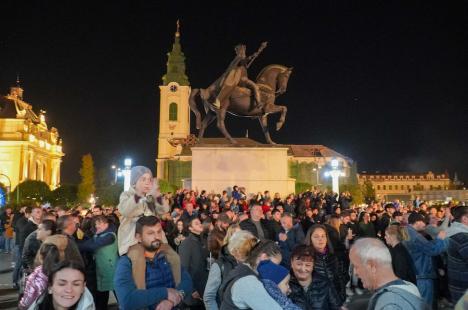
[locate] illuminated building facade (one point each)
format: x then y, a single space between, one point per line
28 148
399 185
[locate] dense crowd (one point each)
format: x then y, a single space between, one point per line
199 250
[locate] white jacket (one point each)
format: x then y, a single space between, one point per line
131 211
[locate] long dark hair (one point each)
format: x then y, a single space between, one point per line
47 303
311 230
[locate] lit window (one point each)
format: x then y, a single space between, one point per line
378 187
384 187
173 111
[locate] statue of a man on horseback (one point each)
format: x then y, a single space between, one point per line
235 93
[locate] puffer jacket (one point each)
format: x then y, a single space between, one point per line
86 302
320 294
326 265
36 284
132 208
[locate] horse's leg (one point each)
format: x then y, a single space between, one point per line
221 116
193 106
209 118
264 123
272 108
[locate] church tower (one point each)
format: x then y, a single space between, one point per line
174 110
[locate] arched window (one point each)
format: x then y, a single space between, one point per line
173 111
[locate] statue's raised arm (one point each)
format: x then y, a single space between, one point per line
252 57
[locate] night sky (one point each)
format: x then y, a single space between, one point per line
383 82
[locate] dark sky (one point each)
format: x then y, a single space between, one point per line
383 82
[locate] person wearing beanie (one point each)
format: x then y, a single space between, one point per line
142 199
275 279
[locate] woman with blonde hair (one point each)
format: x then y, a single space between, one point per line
242 288
218 270
402 262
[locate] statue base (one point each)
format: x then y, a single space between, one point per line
256 167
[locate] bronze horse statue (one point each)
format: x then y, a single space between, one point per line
272 81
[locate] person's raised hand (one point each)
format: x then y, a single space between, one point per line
442 234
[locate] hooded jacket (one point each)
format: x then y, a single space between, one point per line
397 294
132 208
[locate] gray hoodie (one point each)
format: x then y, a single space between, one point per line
456 228
396 295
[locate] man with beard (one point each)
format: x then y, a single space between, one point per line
161 292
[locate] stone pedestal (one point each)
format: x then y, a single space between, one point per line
257 168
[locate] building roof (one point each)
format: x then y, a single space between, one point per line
176 63
314 150
401 173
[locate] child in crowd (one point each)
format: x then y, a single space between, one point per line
275 279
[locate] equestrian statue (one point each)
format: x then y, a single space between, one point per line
236 94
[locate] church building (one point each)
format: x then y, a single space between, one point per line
29 149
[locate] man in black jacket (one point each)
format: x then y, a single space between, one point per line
193 257
257 224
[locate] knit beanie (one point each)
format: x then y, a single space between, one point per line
137 172
269 270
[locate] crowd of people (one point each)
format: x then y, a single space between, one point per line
199 250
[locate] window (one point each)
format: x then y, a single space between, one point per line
390 187
385 187
402 187
173 111
378 187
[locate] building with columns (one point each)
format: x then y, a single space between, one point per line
29 150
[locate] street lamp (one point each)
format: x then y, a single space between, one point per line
116 171
317 173
335 174
126 173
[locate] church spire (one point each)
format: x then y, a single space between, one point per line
176 63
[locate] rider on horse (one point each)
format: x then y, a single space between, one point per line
236 75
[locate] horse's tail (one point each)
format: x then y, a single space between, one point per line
193 106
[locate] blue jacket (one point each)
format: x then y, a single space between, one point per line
130 298
295 237
421 251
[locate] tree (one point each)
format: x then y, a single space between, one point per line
166 187
86 187
355 191
64 195
31 191
368 191
110 194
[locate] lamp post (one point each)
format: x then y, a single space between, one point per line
126 173
116 170
335 174
317 173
